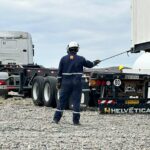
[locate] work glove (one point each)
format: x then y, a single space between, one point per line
58 85
96 62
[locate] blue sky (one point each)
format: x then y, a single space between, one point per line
101 27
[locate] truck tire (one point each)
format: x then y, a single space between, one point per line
84 101
50 92
37 91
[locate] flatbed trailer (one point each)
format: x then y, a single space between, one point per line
121 92
38 83
28 81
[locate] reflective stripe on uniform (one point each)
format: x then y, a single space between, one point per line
75 112
59 110
68 74
59 77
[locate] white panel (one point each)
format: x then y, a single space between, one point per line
11 44
16 47
14 34
140 21
137 71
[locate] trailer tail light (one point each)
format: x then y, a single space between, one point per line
95 83
108 83
2 82
92 83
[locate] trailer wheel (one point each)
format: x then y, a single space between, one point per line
50 92
37 91
84 101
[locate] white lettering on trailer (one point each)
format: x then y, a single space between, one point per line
130 110
126 111
118 111
142 110
148 110
112 111
136 110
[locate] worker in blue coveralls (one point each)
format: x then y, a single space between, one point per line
69 81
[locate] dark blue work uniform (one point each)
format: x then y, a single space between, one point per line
70 75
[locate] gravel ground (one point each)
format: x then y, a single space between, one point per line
26 127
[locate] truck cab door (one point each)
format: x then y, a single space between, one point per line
14 50
24 51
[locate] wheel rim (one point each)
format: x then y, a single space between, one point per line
58 95
35 91
82 99
47 92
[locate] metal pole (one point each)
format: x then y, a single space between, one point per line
116 55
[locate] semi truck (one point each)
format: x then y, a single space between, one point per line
127 91
19 75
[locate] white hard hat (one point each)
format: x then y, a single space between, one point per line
73 44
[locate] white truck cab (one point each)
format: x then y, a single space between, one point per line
16 47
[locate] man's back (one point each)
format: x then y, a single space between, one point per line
73 64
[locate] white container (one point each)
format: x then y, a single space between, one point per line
140 21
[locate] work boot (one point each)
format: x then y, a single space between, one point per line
55 121
76 123
76 118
